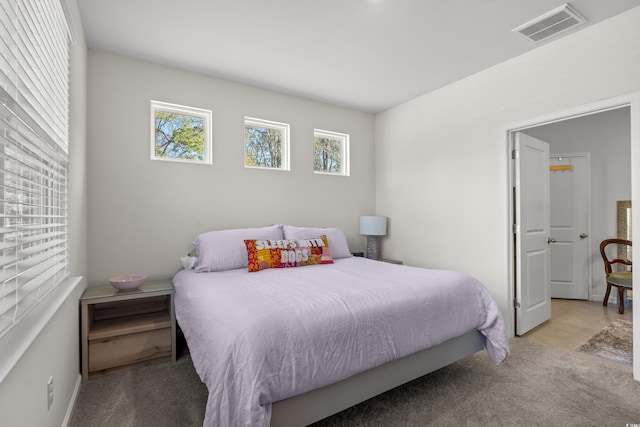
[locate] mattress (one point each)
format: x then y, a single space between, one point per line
258 338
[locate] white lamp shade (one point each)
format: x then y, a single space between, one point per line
373 225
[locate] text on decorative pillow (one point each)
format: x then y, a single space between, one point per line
263 254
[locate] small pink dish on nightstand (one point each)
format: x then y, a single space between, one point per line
127 282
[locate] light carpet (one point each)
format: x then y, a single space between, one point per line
535 386
614 342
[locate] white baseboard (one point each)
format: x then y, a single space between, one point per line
72 402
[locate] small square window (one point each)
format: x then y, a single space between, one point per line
180 133
330 152
266 144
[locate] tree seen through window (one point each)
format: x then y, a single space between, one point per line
263 147
179 136
327 154
331 152
266 144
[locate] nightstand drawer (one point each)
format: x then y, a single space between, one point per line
128 349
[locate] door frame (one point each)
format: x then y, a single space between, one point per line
631 100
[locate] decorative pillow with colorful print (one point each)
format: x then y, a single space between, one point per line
263 254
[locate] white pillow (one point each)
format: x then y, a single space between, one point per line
188 262
225 250
338 245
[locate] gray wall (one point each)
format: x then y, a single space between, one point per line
144 214
607 137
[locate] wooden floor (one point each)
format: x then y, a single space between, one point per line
573 322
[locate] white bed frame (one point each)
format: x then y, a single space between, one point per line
317 404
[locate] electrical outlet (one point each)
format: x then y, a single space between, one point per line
49 393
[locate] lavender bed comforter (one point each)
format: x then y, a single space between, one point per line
258 338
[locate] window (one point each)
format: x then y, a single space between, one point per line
180 133
34 121
330 152
266 144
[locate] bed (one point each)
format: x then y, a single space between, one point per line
290 346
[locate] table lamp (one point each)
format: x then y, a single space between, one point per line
372 227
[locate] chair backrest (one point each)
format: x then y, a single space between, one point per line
608 262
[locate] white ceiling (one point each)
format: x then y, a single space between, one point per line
364 54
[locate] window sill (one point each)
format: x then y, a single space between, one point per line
17 341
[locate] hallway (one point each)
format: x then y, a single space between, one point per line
574 322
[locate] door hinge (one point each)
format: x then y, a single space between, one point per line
516 303
515 154
516 228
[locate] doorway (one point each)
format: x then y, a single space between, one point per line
604 137
565 242
630 102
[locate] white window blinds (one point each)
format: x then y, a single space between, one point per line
34 96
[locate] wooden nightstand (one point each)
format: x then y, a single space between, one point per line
125 328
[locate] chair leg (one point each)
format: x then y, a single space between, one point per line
606 295
621 299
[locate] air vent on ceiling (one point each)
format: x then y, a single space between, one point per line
551 23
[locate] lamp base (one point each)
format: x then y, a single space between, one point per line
373 247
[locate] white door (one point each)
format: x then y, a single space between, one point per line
569 226
532 232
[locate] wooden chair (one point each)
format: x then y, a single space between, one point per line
619 279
